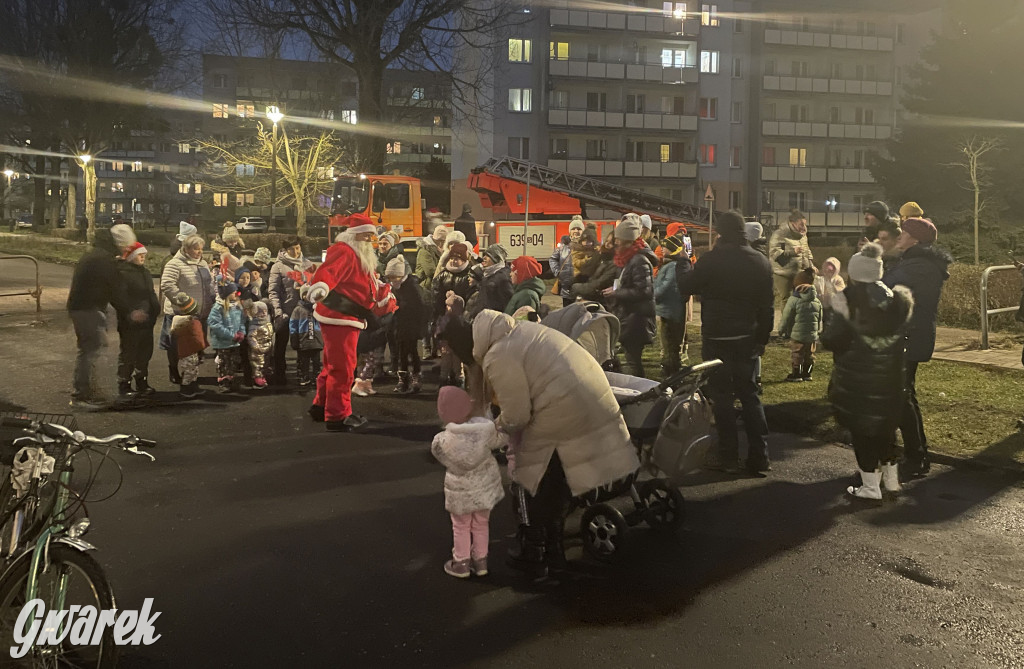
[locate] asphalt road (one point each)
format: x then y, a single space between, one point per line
267 542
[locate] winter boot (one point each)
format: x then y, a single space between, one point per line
403 383
191 391
416 384
890 477
869 488
175 376
806 371
142 386
316 412
796 375
124 390
528 555
360 387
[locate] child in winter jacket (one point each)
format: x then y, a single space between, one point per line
260 340
451 366
828 284
306 338
801 323
227 331
190 342
137 312
410 323
669 305
472 484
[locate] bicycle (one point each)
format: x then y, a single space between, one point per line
42 521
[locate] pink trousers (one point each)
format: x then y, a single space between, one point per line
471 534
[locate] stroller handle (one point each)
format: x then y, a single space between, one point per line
688 371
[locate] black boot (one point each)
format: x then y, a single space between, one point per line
174 376
528 554
124 390
806 372
142 385
796 375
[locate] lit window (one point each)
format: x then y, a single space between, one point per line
709 62
117 166
184 147
245 109
664 153
798 157
417 93
709 15
348 116
103 207
394 147
137 166
184 188
520 50
220 199
708 108
559 51
117 187
673 58
325 173
707 154
220 111
242 170
735 156
116 207
520 99
327 114
198 189
675 10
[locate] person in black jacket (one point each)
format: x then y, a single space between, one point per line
466 224
136 336
494 285
735 285
923 268
633 296
94 286
867 336
454 277
410 322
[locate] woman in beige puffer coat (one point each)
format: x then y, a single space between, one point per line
558 408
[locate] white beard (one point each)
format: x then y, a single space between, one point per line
365 252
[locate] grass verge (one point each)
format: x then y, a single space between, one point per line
60 251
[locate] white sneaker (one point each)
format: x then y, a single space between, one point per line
358 388
891 477
870 486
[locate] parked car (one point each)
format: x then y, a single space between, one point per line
251 224
23 222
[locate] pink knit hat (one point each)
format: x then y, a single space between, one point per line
454 405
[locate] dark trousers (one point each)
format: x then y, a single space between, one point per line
134 354
634 359
548 508
872 449
672 334
308 364
91 336
408 355
281 340
915 443
736 379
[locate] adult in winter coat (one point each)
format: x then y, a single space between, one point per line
454 276
669 305
95 284
633 299
598 274
410 322
560 263
136 333
528 287
428 254
466 224
801 323
284 297
568 436
735 285
789 253
923 269
185 274
494 289
454 237
867 339
389 248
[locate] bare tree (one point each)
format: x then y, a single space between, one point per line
303 168
974 150
371 36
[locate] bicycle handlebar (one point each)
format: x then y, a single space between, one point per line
126 442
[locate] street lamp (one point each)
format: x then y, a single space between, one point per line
7 193
275 116
830 205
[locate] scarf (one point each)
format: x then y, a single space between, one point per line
623 256
489 271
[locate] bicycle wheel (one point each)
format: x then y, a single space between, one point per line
75 579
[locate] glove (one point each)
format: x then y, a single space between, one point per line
239 336
318 291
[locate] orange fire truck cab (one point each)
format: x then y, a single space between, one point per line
392 202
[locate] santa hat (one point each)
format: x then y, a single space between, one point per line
359 224
526 268
134 250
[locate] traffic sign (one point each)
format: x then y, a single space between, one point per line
709 195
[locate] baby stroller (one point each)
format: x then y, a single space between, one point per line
669 422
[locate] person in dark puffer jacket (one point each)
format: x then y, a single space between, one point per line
923 268
454 277
494 285
867 337
136 335
633 299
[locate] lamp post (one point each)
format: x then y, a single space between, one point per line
275 115
7 193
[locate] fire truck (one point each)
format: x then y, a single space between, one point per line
541 200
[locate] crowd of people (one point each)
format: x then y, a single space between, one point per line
476 311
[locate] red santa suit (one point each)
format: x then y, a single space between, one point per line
345 295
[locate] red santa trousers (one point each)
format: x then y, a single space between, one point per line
334 385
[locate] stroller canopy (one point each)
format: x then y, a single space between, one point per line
589 325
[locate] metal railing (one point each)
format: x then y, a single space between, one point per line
37 293
985 311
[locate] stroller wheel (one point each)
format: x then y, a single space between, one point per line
665 506
603 530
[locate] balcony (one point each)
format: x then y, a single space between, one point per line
637 20
827 40
824 130
816 174
582 118
618 168
814 85
649 72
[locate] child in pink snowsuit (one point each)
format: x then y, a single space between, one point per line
472 486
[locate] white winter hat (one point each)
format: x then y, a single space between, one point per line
396 267
185 229
628 228
123 235
866 266
754 231
439 233
645 221
577 223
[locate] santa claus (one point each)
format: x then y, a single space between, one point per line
347 294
